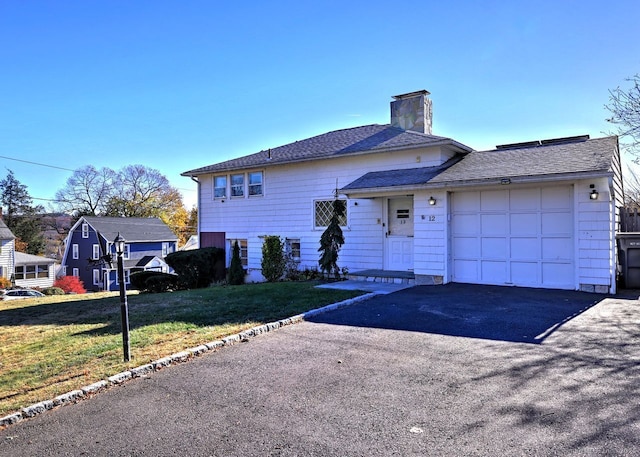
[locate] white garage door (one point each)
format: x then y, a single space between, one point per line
521 237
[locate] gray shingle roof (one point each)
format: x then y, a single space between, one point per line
5 233
590 156
23 258
357 140
132 228
594 157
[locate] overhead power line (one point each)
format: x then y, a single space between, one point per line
36 163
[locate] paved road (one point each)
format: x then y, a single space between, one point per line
451 370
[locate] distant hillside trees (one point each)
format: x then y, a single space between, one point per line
21 216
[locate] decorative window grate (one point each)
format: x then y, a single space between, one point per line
324 212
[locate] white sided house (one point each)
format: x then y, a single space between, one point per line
537 214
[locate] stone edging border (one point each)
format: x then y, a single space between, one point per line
86 392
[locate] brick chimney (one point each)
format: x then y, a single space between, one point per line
412 111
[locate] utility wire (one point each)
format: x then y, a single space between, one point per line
36 163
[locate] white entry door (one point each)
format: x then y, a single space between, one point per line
400 234
522 237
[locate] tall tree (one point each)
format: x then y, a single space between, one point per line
332 240
22 218
87 191
624 106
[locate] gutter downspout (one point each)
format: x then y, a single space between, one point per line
195 180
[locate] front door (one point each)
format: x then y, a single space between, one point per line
399 234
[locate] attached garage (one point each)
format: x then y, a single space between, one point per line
514 236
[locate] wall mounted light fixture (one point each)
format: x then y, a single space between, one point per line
594 193
432 201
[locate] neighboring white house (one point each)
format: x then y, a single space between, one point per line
7 248
536 214
34 271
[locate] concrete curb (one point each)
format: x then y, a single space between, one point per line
144 370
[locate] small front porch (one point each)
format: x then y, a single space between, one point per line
384 276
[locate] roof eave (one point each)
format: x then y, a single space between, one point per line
456 146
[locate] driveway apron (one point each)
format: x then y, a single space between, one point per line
445 370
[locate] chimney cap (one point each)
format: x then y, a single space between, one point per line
411 94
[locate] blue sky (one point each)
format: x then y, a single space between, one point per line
176 85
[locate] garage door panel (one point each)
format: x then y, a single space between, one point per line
524 199
493 272
466 201
524 223
557 274
466 270
466 247
525 273
493 224
556 198
525 248
494 248
466 224
493 200
557 223
556 249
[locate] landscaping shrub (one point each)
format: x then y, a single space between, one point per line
70 284
52 291
197 268
161 283
5 283
236 273
273 262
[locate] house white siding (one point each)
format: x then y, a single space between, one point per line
287 208
6 257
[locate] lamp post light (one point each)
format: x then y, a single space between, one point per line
124 310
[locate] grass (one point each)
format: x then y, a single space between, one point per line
52 345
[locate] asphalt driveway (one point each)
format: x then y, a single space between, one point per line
450 370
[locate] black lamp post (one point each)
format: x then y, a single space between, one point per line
124 310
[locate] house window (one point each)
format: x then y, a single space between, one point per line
165 249
85 230
76 272
237 185
96 277
96 252
127 276
126 253
43 271
220 187
255 183
292 248
242 244
323 211
75 252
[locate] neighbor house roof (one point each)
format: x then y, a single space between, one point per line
28 259
535 161
353 141
132 229
5 233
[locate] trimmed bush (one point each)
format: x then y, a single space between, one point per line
52 291
153 281
197 268
70 284
273 262
5 283
236 273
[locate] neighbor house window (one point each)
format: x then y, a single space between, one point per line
220 187
75 251
76 272
165 249
85 230
323 210
292 248
237 185
43 271
255 183
96 277
127 275
96 252
244 253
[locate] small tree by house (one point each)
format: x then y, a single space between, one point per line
273 261
331 241
235 277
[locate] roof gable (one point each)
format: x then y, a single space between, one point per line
5 233
357 140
